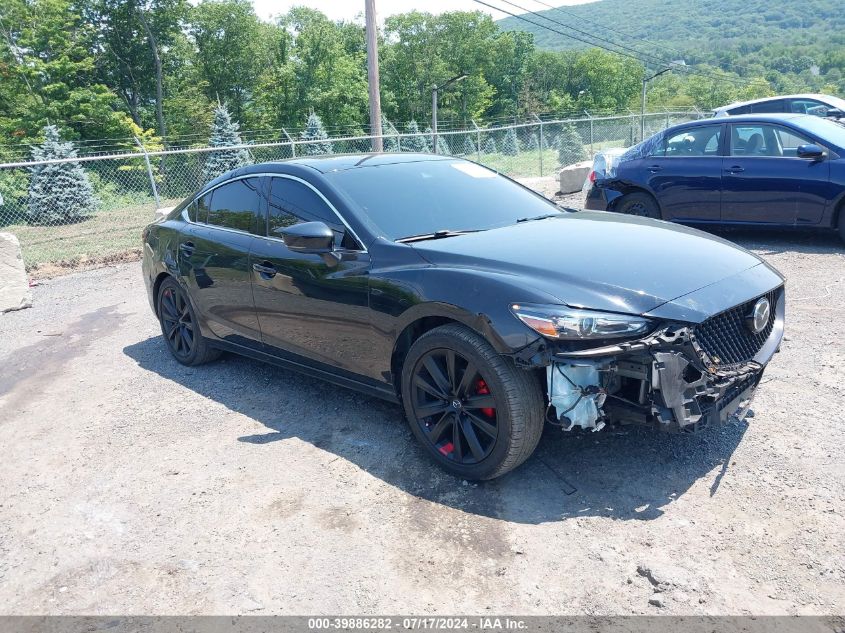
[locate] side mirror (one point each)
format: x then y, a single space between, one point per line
810 150
835 113
308 237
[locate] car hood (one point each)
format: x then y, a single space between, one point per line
598 260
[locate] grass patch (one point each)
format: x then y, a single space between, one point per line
107 232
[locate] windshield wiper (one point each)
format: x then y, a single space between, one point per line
434 236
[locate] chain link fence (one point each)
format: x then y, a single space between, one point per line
125 190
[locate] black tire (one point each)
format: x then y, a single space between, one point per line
638 203
179 326
505 434
842 223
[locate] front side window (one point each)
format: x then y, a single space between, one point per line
808 106
696 141
235 205
760 139
292 202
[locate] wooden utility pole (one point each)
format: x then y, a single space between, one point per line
372 75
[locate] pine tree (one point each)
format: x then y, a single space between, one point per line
224 133
510 144
416 142
490 146
442 145
390 142
570 146
314 131
469 146
534 142
59 193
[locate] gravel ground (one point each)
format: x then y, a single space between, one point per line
132 485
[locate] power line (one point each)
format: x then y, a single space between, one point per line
634 54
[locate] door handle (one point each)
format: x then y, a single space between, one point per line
654 168
735 169
187 248
265 269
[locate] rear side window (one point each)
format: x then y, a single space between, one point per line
746 109
768 107
292 202
696 141
235 205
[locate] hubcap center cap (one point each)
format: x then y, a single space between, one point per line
456 405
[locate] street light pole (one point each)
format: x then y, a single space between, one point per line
434 90
677 62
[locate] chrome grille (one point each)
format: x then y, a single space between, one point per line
727 337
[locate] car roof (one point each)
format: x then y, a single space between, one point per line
737 104
747 118
341 162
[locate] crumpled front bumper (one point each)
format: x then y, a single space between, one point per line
666 379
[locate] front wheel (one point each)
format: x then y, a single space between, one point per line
640 204
477 415
842 224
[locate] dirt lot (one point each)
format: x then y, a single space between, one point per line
133 485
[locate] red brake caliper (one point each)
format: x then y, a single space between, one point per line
482 389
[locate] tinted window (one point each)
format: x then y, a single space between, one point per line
808 106
292 202
740 110
235 205
696 141
768 106
202 208
405 199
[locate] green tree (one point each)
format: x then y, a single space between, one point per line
59 193
224 133
315 133
570 146
510 143
416 142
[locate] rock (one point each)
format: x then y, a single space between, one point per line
14 287
572 176
656 601
664 576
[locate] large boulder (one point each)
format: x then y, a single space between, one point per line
572 176
14 287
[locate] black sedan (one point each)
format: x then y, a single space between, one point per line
480 306
784 170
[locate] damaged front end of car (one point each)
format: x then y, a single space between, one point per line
678 377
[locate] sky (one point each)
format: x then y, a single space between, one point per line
348 9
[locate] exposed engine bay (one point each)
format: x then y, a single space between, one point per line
680 377
661 380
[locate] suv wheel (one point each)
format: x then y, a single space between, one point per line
640 204
477 415
179 326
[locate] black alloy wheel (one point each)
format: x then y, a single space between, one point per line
476 414
177 322
180 328
453 406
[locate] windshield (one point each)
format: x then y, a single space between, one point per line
828 131
419 198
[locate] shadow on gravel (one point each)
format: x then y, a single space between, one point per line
626 475
771 241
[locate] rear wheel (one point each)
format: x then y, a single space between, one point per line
477 415
179 326
640 204
842 223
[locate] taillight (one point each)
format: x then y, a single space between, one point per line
592 176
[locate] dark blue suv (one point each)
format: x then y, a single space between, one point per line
775 170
